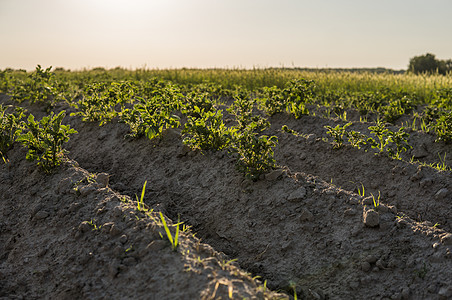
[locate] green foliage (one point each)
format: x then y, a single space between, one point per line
44 139
428 63
400 139
337 133
395 109
272 100
357 139
10 128
381 132
39 87
443 127
5 82
298 93
256 154
151 117
205 130
95 104
242 110
292 99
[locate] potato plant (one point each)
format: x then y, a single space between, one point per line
10 128
255 152
207 131
151 117
44 139
39 87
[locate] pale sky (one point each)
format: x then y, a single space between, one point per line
78 34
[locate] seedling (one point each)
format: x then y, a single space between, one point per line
377 201
361 192
140 203
337 133
174 241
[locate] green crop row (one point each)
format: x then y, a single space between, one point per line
43 139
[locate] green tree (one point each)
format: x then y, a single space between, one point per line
428 63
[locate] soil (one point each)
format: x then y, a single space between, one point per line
77 233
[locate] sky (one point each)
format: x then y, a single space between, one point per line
77 34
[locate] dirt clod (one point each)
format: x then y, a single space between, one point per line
371 218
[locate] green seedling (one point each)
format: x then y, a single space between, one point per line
400 138
381 132
362 191
337 133
376 201
140 202
174 241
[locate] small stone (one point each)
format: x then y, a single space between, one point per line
368 201
170 134
382 208
42 214
123 239
353 284
84 227
392 264
380 264
106 227
371 259
297 195
274 175
446 239
353 201
102 179
306 215
184 151
365 266
371 218
445 292
113 270
87 189
405 293
441 194
350 212
419 151
129 261
115 230
436 245
426 182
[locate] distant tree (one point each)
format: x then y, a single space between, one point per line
424 64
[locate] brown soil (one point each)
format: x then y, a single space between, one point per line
303 225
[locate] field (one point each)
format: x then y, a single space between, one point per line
225 184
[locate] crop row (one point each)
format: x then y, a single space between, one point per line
152 106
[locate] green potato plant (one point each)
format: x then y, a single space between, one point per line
10 128
44 139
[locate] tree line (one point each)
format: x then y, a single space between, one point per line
428 64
